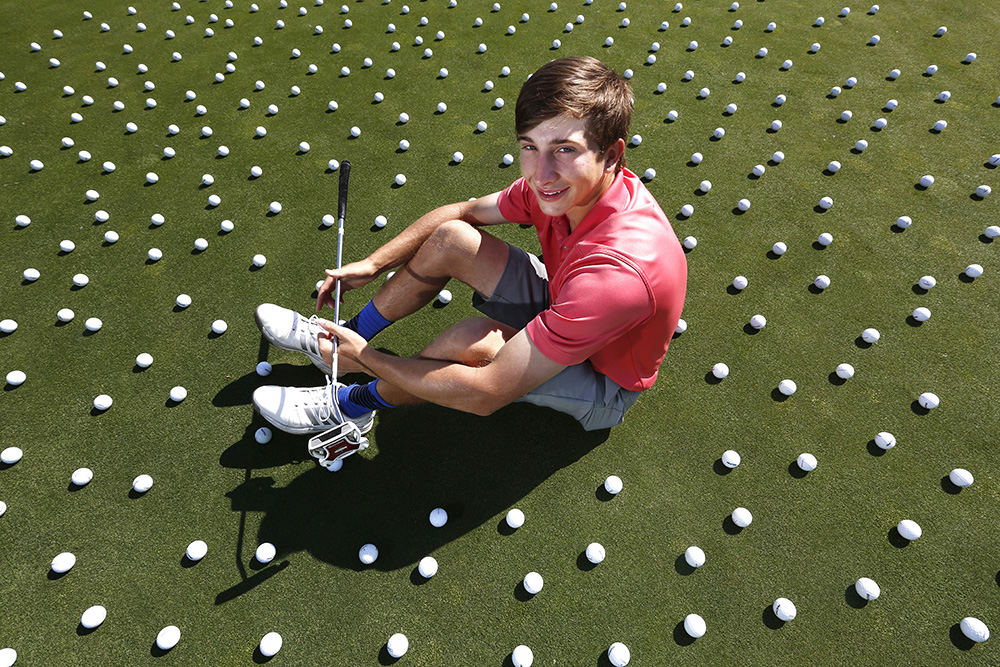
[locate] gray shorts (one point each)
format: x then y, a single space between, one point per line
592 398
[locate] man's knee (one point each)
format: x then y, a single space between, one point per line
453 239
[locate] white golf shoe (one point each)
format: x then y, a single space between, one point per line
306 409
288 330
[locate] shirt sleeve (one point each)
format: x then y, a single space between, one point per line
601 298
515 202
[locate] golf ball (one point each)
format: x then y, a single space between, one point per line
82 476
142 483
697 158
265 552
263 435
533 583
80 280
926 180
397 645
264 368
457 156
758 322
274 207
682 326
67 245
731 458
694 556
63 562
259 260
155 254
825 203
200 244
22 220
974 629
867 588
961 477
806 462
196 550
226 226
833 167
515 518
367 554
983 191
522 656
909 529
438 517
921 314
928 400
219 327
427 567
595 553
740 282
256 171
16 378
270 644
687 210
444 296
93 324
690 242
974 270
111 236
822 281
613 485
885 440
8 326
178 394
11 455
649 174
619 655
845 371
65 315
904 221
719 132
93 616
168 637
927 282
741 517
787 387
144 359
784 609
779 248
694 625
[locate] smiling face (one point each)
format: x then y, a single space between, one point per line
566 171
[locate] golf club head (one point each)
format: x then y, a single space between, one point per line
339 442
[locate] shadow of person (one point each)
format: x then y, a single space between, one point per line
424 457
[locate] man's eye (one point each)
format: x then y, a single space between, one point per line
527 148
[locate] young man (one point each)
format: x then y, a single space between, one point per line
583 333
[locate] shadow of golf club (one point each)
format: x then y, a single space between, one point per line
427 457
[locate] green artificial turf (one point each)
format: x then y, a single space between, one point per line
812 536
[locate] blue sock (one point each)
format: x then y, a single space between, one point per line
357 399
368 322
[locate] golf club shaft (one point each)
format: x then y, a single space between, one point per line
345 174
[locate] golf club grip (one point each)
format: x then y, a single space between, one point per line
345 174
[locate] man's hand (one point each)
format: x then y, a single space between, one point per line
349 342
352 276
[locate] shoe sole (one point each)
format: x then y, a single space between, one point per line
320 365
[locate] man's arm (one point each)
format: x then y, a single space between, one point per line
517 369
398 250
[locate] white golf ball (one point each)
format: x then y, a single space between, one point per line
168 637
779 248
67 245
682 326
926 180
522 656
705 186
444 296
974 270
694 556
649 174
81 280
457 156
16 378
762 52
400 179
944 96
498 103
845 371
219 327
619 655
22 220
93 616
274 207
144 360
880 123
787 387
155 254
196 550
983 191
815 47
921 314
427 567
927 282
806 462
178 394
442 107
8 326
438 517
928 400
867 588
82 476
265 552
740 282
784 609
152 177
93 324
822 281
909 529
904 221
11 455
256 171
885 440
200 244
687 210
697 158
961 477
741 517
65 315
63 562
825 203
613 485
515 518
694 625
367 554
704 92
720 370
263 435
974 629
397 645
758 322
672 115
259 260
731 458
304 147
533 583
833 167
270 644
690 242
595 553
142 483
226 226
870 335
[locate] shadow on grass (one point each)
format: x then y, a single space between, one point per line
795 471
852 598
897 540
770 619
874 449
684 569
681 637
959 640
423 457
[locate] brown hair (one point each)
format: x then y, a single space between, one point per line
582 87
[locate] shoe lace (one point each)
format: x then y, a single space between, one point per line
321 406
309 335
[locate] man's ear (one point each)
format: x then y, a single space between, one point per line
613 154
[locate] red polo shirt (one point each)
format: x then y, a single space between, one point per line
616 282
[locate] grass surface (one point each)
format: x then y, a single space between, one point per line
812 536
